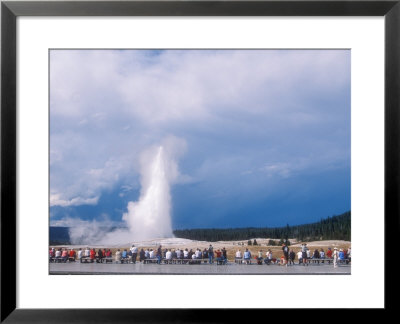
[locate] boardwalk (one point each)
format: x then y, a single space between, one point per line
206 269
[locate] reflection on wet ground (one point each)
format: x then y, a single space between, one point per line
179 269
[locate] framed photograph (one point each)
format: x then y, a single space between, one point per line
150 144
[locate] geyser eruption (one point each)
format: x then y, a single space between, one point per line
150 217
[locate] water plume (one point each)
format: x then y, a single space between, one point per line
150 216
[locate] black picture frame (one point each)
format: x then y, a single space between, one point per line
10 10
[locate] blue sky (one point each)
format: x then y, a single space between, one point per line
267 133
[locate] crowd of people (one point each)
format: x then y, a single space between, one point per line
183 254
133 255
305 255
64 255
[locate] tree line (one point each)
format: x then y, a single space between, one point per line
331 228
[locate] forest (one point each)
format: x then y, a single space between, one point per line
331 228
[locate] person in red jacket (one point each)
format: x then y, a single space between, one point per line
72 255
92 255
329 255
52 254
64 255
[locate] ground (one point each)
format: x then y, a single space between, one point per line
203 269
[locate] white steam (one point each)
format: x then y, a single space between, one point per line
150 216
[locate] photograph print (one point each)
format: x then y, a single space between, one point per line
200 161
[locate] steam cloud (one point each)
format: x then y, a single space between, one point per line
150 216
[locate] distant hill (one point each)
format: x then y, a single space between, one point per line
59 235
331 228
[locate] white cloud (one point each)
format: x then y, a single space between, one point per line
84 186
102 220
55 200
280 169
188 85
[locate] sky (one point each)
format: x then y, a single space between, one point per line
265 134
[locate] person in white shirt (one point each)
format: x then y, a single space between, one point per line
147 254
266 259
118 256
185 254
178 254
194 258
322 254
80 253
335 255
87 252
168 255
238 256
198 254
300 256
151 254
